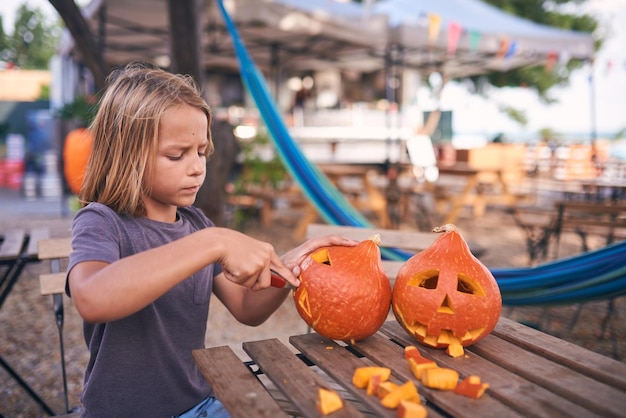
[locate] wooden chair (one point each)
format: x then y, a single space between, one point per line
18 248
57 251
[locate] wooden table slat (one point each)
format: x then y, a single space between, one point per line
589 363
12 244
36 235
52 283
54 248
509 388
592 394
292 377
235 386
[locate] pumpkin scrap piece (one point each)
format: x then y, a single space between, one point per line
406 391
440 378
362 375
328 401
372 385
411 351
418 368
384 388
455 350
410 409
471 387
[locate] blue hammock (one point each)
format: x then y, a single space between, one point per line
599 274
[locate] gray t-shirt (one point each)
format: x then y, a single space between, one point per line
141 365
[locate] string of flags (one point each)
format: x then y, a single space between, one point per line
507 48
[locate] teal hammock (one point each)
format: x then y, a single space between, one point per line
599 274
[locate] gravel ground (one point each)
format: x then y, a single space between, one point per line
29 340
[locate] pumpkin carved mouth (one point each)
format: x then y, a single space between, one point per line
445 337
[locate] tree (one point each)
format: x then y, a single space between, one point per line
33 41
556 13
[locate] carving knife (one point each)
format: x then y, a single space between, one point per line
280 282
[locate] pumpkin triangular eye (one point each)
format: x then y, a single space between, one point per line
446 306
427 279
466 284
321 256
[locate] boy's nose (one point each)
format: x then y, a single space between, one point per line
199 165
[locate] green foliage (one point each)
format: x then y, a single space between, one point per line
517 115
44 92
259 170
554 13
549 135
33 41
82 110
261 173
620 134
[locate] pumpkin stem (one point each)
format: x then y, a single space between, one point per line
375 238
445 228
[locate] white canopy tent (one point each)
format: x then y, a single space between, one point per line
325 34
298 34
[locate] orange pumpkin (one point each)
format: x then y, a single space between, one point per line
444 295
76 152
344 292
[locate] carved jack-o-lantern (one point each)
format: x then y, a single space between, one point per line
444 295
344 292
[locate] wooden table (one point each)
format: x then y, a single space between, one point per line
603 190
530 374
353 181
474 191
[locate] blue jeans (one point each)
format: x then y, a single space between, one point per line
208 408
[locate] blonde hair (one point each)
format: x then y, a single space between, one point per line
126 131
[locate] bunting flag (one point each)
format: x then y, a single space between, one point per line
503 48
434 26
609 66
454 34
551 61
474 40
511 50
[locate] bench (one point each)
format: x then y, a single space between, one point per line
412 241
544 226
584 218
56 251
18 249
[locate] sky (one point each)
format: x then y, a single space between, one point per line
573 112
571 115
